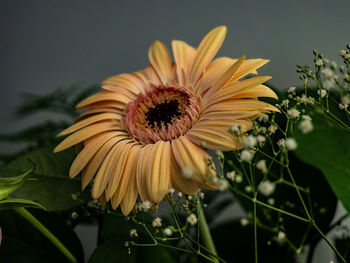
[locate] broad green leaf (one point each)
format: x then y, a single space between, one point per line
15 203
328 148
52 187
112 251
24 243
115 232
10 184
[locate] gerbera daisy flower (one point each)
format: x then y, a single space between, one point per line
144 128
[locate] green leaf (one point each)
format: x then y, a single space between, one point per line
328 148
115 231
52 187
10 184
15 203
112 251
24 243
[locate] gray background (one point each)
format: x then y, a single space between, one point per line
48 44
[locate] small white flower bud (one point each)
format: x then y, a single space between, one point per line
187 172
291 144
319 63
157 222
244 221
133 233
266 188
246 156
231 175
192 219
293 113
305 126
167 231
261 165
249 141
322 93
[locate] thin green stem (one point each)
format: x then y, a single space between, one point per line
282 211
255 232
205 232
329 243
299 194
40 227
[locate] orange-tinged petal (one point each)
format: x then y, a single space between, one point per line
213 72
105 172
158 171
230 91
152 76
227 75
105 96
187 154
90 120
184 185
141 173
183 55
240 105
255 92
87 113
115 177
229 117
206 51
129 173
86 133
248 67
91 168
130 197
160 59
214 138
128 82
90 150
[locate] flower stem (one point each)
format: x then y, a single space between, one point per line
39 226
205 233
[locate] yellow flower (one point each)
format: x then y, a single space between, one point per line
144 128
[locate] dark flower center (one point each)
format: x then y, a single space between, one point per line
163 114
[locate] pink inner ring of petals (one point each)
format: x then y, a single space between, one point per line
139 114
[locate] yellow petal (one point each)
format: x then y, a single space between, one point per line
152 77
91 168
125 185
85 133
239 105
187 154
90 120
158 171
104 172
90 150
160 59
184 185
183 56
255 92
127 82
130 197
114 180
248 67
105 96
206 51
234 88
87 113
141 172
227 75
214 138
